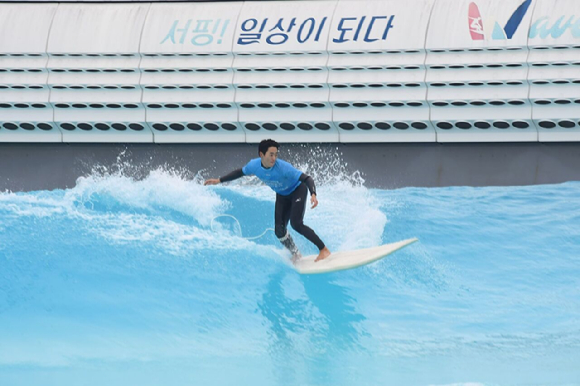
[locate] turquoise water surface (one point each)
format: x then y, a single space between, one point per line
119 281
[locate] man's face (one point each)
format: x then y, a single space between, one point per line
269 159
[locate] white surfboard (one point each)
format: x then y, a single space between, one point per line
348 259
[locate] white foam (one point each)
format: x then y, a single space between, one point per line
161 188
143 209
30 205
347 217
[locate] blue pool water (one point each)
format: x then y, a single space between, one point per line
119 281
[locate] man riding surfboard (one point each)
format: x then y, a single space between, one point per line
290 186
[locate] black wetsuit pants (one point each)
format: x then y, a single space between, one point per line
291 209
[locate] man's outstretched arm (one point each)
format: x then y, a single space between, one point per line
228 177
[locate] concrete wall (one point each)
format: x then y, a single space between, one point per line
26 167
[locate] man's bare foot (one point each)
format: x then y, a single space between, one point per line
324 253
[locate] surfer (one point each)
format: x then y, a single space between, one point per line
290 186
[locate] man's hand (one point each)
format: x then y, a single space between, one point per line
212 181
313 201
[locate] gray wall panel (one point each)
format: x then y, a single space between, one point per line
27 167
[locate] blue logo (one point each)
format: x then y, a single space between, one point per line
512 24
542 28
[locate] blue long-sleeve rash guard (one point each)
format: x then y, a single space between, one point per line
283 178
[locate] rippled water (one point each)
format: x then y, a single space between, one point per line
120 281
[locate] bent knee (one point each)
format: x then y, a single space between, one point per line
280 231
297 225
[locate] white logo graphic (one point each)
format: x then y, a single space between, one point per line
476 25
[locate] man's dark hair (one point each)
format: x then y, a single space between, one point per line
266 144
